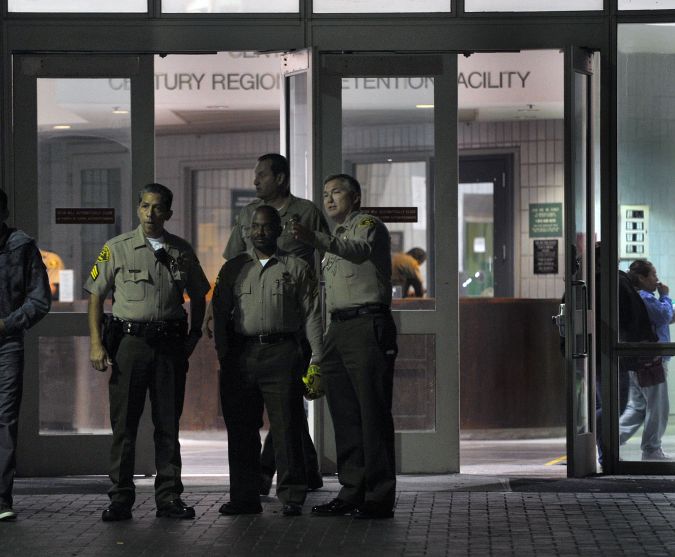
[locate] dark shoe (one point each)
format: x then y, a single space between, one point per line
337 507
116 512
314 483
232 508
175 509
292 509
373 510
6 512
265 484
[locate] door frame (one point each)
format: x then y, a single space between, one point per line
71 454
437 450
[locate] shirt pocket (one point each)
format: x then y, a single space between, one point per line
284 299
242 290
135 284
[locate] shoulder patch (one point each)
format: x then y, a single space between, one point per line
94 272
104 255
367 221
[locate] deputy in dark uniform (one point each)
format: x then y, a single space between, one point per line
147 270
272 186
359 351
264 303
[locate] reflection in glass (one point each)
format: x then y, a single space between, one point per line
228 6
78 6
414 404
300 144
384 118
380 6
84 162
73 397
532 5
646 4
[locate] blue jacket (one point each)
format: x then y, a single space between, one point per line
25 297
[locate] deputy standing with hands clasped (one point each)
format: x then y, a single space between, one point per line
359 351
148 270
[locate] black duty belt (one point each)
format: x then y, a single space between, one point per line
272 338
174 327
347 314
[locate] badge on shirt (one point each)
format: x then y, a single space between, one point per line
367 221
94 272
104 255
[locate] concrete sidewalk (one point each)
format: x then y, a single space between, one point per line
435 515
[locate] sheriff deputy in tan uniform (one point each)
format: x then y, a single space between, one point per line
357 366
147 270
264 303
272 186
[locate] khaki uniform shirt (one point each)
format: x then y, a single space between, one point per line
280 297
304 211
357 266
143 288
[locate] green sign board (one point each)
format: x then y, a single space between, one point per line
545 220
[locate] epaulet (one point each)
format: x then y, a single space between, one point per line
121 238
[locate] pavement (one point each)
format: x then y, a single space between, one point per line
457 514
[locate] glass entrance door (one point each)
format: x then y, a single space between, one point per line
82 148
580 265
384 119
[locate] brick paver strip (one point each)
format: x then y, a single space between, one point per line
433 517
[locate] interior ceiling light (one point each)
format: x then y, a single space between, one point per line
424 106
62 127
217 107
118 110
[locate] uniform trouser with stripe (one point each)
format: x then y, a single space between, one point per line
11 383
254 376
357 372
159 369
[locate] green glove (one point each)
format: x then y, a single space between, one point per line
312 382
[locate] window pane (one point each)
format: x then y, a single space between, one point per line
646 134
228 6
644 393
79 6
380 6
388 141
646 4
532 5
84 166
414 399
73 399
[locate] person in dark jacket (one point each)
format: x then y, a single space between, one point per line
24 299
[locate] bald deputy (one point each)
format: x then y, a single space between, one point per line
147 270
359 351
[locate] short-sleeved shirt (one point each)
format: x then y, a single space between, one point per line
304 211
144 289
281 297
357 266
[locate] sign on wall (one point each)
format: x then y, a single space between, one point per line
545 220
546 257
